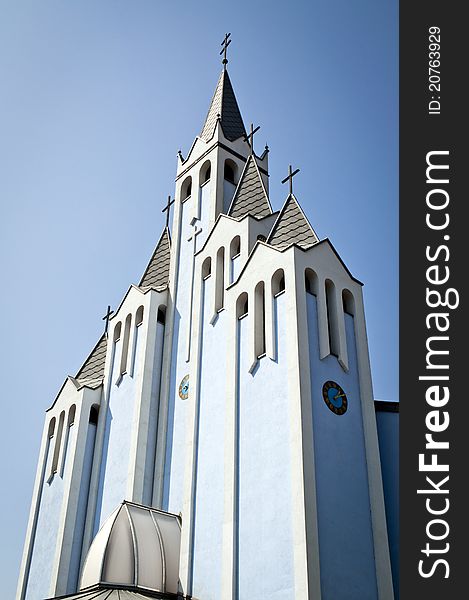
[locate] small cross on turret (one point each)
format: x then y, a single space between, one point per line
167 209
250 138
290 176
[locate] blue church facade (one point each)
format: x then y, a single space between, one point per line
228 409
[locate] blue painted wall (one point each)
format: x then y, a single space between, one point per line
344 520
45 541
388 436
77 542
208 514
265 507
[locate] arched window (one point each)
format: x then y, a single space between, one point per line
332 322
161 316
259 316
71 415
51 430
125 344
220 280
139 316
348 302
230 177
58 440
235 247
206 267
230 171
117 332
311 282
70 422
242 305
278 282
94 414
186 188
205 172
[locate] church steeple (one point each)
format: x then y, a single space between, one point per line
224 107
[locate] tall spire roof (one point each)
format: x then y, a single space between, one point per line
224 107
157 272
292 227
250 196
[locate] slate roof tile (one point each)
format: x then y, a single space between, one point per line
292 227
250 195
157 271
224 104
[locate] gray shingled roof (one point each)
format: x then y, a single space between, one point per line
224 104
112 594
157 272
250 195
292 227
93 368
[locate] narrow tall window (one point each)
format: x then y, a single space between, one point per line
94 414
229 183
242 306
332 322
205 173
70 421
125 344
259 316
278 282
311 282
220 280
186 189
206 267
229 171
161 315
58 439
235 251
139 316
348 302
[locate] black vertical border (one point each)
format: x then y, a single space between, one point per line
421 133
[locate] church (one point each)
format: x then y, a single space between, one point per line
221 441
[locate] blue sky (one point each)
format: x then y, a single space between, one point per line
95 100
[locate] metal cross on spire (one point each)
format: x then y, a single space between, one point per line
226 42
250 138
167 209
106 318
290 176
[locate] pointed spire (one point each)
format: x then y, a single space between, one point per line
292 227
157 272
250 196
224 108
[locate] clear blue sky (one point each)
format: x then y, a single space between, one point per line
96 98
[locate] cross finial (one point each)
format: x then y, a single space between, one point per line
250 138
106 318
290 176
226 42
167 209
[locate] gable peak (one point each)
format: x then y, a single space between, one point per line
292 227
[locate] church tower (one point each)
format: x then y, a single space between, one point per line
223 429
